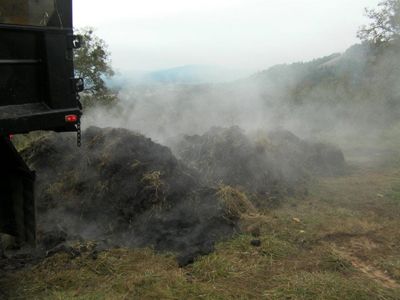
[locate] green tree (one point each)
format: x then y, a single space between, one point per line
385 23
93 64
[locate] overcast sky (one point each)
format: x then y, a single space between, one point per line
245 34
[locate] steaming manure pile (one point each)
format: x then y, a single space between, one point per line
123 189
268 166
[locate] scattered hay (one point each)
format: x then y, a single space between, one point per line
153 182
235 203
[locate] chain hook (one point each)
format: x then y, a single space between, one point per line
78 134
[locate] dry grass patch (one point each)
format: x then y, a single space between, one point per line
325 285
116 274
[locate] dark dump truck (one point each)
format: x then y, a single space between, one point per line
38 91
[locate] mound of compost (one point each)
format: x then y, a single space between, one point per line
123 188
270 165
319 159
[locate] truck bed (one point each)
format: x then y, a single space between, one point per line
34 116
22 110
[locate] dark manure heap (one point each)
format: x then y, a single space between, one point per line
269 165
319 159
122 189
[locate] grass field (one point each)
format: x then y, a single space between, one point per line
342 241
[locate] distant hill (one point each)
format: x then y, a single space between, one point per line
352 62
360 74
189 74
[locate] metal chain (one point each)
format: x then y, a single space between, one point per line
78 133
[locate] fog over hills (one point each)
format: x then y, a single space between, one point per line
188 74
342 97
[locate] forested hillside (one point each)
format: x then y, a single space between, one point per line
360 85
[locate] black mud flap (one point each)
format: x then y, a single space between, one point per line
17 202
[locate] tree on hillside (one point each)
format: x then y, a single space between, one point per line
92 63
385 23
